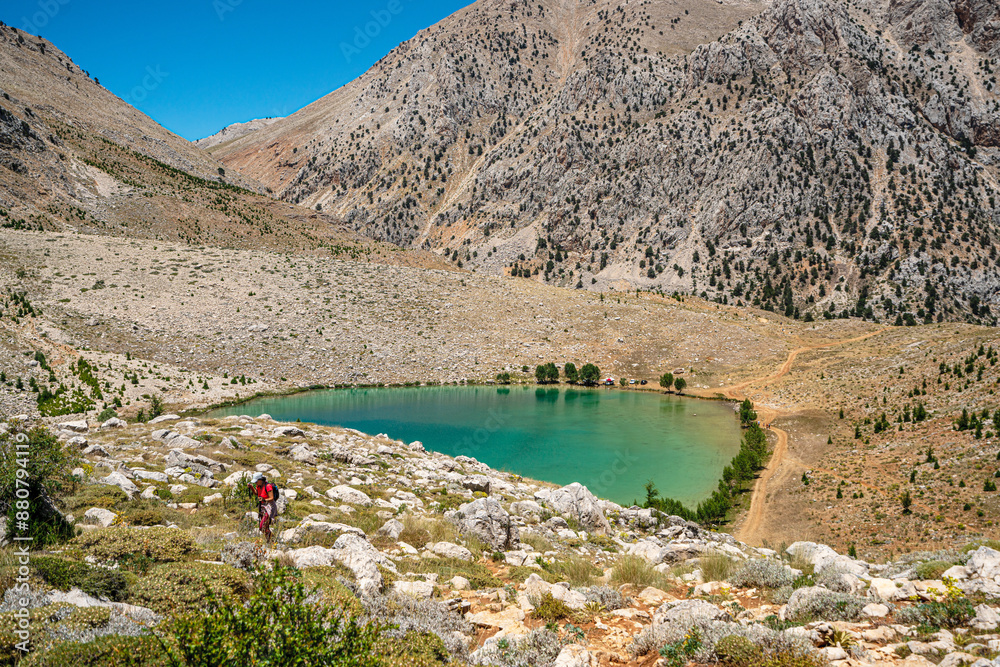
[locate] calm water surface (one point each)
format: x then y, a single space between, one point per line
612 441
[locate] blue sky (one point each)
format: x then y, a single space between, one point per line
196 66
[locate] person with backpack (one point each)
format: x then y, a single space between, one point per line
267 502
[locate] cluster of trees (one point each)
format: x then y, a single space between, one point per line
667 380
548 373
747 414
743 468
974 422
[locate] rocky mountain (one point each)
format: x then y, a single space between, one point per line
75 157
814 157
233 132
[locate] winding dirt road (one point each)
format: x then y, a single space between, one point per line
748 532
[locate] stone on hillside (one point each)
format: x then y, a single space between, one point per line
346 494
77 441
149 493
686 612
75 426
956 572
214 498
363 560
418 589
288 432
889 590
487 520
416 446
477 483
823 557
577 502
298 533
984 562
528 509
391 529
986 618
179 458
241 477
163 418
450 550
121 481
151 475
459 583
571 598
648 550
575 655
114 422
303 454
101 516
95 450
311 557
875 610
654 596
502 619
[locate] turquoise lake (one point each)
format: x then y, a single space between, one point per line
612 441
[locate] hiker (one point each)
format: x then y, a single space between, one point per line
267 507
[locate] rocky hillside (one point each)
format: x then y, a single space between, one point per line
816 157
233 132
74 157
471 566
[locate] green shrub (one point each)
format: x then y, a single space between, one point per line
932 569
106 414
551 609
324 580
66 574
107 651
147 517
762 574
637 571
737 651
175 588
122 544
479 575
45 476
788 658
425 649
947 614
716 566
97 495
829 606
275 626
575 570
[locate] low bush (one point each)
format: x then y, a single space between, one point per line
150 517
607 597
636 571
836 580
575 570
737 651
827 606
551 609
539 648
404 618
716 566
177 588
762 574
777 648
951 613
932 569
276 625
479 575
66 574
419 649
107 651
122 544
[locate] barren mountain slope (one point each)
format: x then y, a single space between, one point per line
810 156
75 156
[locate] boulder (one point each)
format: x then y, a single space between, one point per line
298 533
114 422
101 516
77 441
527 509
984 562
391 529
121 481
311 557
477 483
154 476
487 520
362 559
450 550
823 557
875 610
575 655
163 418
417 589
288 432
459 583
986 618
687 612
577 502
303 454
648 550
241 477
347 494
571 598
889 590
75 426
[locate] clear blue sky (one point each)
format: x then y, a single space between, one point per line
196 66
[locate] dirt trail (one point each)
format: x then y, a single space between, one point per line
748 532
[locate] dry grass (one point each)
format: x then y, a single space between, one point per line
716 566
637 571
